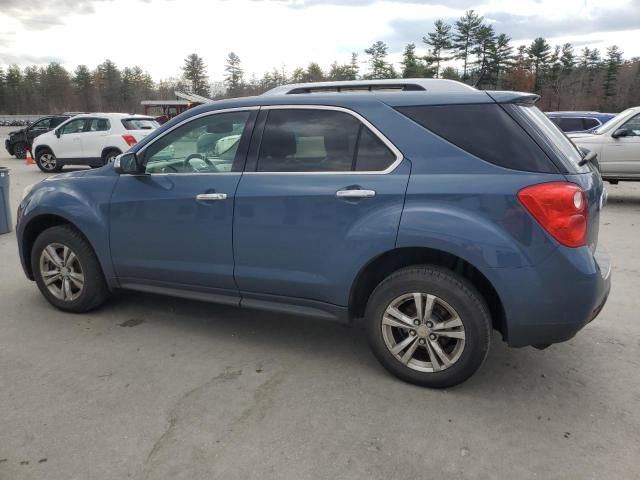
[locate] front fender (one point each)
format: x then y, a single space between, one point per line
82 201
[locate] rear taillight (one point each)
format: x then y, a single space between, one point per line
561 209
130 139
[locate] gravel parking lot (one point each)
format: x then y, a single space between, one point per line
158 388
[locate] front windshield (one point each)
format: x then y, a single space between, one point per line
610 125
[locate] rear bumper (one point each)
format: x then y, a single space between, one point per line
553 301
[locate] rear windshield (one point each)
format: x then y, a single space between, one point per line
486 131
549 135
140 124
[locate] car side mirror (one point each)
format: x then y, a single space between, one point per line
621 132
126 163
57 132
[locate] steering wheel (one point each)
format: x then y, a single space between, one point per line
187 161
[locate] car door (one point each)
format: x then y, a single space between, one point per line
68 144
621 155
38 128
322 194
94 137
171 226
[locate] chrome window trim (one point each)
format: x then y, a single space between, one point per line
364 121
398 154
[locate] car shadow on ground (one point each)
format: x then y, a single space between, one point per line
274 335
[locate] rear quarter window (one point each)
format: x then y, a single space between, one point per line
485 131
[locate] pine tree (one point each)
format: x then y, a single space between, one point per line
234 79
195 74
501 58
13 88
379 68
538 53
412 66
613 63
83 83
354 68
485 39
439 41
108 81
464 37
314 73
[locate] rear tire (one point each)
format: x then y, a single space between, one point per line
47 162
110 156
448 345
67 270
20 150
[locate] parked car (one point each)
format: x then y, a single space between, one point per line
617 144
579 121
20 141
92 139
435 211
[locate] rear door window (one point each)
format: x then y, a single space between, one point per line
485 131
315 140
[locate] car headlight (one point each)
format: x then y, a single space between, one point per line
27 190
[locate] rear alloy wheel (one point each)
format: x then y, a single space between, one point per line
428 326
20 151
423 331
47 162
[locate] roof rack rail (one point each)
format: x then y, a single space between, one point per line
404 85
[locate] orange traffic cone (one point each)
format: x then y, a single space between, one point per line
29 159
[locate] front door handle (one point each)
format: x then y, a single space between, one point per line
211 197
355 193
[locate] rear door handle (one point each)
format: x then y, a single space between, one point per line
355 193
211 197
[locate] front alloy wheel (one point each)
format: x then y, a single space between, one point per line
61 272
47 162
67 271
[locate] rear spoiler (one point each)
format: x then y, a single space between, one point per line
513 97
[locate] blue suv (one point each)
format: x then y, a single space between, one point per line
433 211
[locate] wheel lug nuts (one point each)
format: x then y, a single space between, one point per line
430 324
433 336
413 333
416 322
422 341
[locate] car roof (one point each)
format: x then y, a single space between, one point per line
112 115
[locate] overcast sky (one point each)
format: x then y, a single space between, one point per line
158 34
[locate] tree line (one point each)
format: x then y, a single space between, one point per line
469 50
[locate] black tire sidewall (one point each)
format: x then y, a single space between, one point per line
94 291
57 168
457 292
20 155
112 154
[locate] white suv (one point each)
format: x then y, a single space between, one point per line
90 139
617 144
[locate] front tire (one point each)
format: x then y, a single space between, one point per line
428 326
67 271
47 162
20 150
